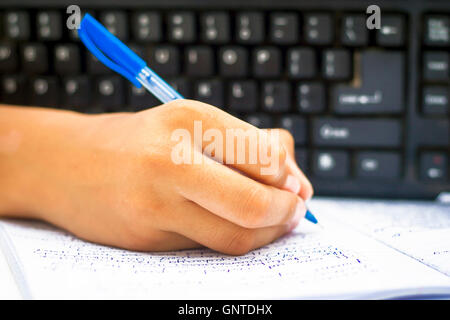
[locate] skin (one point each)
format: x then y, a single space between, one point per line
110 179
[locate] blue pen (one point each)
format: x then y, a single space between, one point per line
114 54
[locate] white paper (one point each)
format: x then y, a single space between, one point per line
420 229
8 288
333 262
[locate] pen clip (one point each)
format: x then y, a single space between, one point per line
112 52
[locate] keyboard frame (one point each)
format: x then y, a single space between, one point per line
409 185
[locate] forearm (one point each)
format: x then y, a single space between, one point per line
32 153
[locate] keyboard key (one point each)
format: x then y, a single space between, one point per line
146 26
164 60
8 57
260 120
383 165
436 66
67 59
243 96
311 97
73 34
137 48
181 85
17 25
34 58
48 25
215 27
266 62
199 61
356 132
392 31
284 28
336 64
331 164
76 92
116 22
319 29
181 27
354 31
433 132
276 96
437 30
250 27
210 91
109 93
44 91
296 126
94 66
233 61
382 93
436 100
433 166
301 157
140 99
13 89
301 63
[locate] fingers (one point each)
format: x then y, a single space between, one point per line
237 198
306 190
242 146
200 225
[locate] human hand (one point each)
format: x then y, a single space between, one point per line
111 179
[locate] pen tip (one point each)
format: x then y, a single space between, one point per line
310 217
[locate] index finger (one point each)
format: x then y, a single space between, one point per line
238 144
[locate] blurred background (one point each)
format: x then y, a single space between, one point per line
368 108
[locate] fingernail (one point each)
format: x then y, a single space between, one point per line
300 211
292 184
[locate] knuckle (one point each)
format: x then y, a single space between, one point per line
254 208
184 107
183 113
286 137
181 104
241 242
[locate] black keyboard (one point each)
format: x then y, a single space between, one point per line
369 109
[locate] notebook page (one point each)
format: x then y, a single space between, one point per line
331 263
8 288
420 229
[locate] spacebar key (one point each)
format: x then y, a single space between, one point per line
356 132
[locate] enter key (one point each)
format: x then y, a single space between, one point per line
377 87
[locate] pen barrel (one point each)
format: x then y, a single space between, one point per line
116 50
157 86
